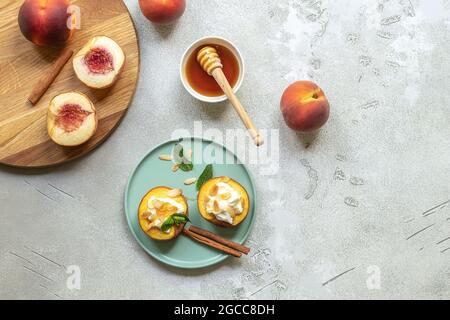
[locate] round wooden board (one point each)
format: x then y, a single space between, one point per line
24 141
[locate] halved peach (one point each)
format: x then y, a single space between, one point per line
209 188
162 213
71 119
99 63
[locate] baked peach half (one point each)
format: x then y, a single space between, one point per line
223 202
162 213
71 119
99 63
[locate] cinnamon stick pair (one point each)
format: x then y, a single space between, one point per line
217 242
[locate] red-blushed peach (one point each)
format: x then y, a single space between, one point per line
304 106
162 11
45 22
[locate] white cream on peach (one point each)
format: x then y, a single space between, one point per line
225 204
157 221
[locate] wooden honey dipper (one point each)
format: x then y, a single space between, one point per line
209 59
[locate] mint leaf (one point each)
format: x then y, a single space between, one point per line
186 166
206 175
168 223
178 156
180 218
175 219
176 151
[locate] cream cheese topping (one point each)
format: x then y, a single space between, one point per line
225 204
155 203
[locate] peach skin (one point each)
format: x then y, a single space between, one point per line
304 106
45 22
162 11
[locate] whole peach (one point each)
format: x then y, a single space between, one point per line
162 11
45 22
304 106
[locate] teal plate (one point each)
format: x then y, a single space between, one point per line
151 172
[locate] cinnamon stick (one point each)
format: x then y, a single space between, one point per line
217 238
47 79
212 243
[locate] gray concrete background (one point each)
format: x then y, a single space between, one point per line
371 189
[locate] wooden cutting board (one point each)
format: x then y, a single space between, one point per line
24 141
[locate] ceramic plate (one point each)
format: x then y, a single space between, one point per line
151 172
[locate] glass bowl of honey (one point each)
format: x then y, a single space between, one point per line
203 86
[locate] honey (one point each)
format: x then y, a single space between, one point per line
205 84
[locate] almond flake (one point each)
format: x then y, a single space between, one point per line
175 167
165 157
226 196
190 181
214 190
230 210
216 206
174 193
146 214
158 204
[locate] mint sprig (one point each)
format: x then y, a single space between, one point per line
175 219
186 167
183 163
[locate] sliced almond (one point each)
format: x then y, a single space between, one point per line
231 211
189 154
157 204
216 206
190 181
226 196
214 190
146 214
174 193
175 167
165 157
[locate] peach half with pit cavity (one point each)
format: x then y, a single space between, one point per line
71 119
99 63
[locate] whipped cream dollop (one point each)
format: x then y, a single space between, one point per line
225 204
166 205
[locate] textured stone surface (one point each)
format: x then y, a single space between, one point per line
371 189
